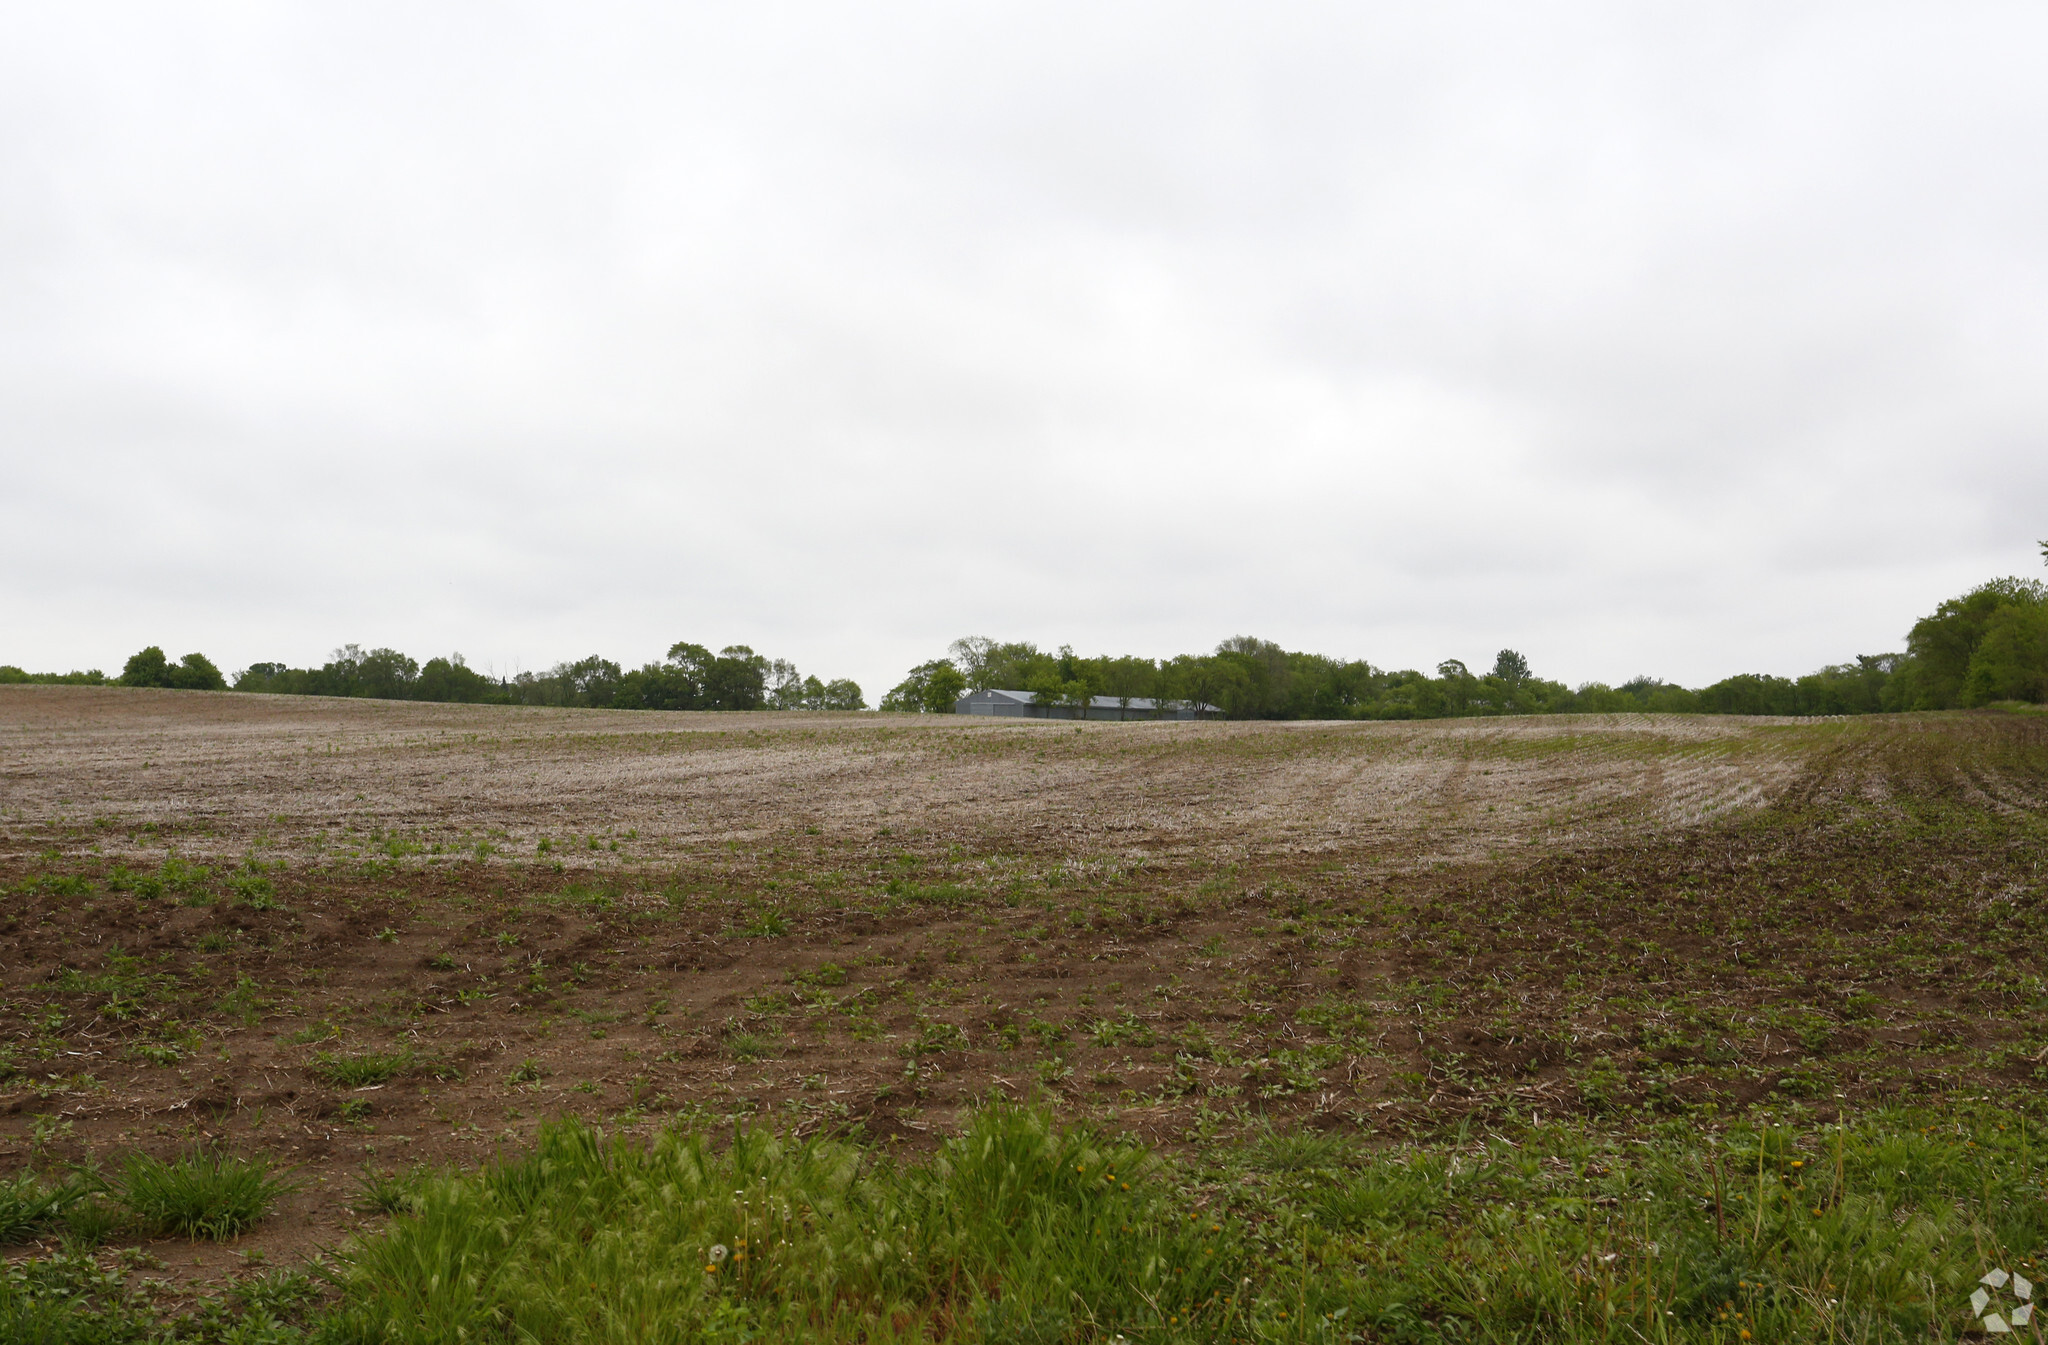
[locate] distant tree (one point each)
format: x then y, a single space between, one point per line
592 681
451 679
977 658
943 689
2010 662
260 677
147 668
785 687
844 694
1077 696
1511 667
1045 688
736 680
931 688
385 675
1458 684
1194 679
1126 679
1257 677
1943 643
813 694
195 672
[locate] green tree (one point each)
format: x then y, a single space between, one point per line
843 693
451 679
195 672
385 675
1194 679
147 668
736 680
1942 644
785 687
1126 679
931 688
2010 662
978 658
943 689
1458 685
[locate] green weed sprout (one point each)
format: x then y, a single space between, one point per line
1988 1301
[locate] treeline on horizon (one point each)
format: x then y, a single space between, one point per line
690 678
1987 647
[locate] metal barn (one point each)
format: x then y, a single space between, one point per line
1024 705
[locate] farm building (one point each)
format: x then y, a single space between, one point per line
1024 705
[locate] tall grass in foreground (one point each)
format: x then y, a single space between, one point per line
1017 1231
1020 1232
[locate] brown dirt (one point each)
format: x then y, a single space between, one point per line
866 923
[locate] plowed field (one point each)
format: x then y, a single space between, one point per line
356 933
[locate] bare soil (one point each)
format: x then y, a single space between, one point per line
866 923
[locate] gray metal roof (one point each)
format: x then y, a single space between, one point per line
1096 703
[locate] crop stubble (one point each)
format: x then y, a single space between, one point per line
867 921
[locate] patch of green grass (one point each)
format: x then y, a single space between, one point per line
1018 1230
204 1194
747 1047
390 1192
29 1206
93 1221
361 1069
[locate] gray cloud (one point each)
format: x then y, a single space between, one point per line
1636 338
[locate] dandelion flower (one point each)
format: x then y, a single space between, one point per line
717 1254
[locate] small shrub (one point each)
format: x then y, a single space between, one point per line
205 1194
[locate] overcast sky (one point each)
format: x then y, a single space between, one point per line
1682 340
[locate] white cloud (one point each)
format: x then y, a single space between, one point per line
1636 339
